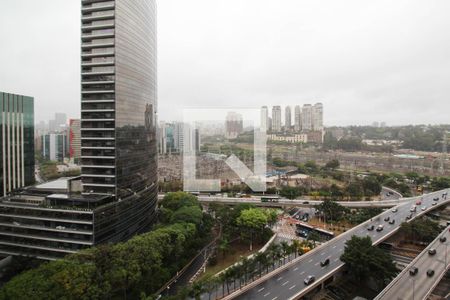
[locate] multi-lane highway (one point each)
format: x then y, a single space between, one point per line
288 282
408 286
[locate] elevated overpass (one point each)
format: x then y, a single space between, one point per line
282 202
406 286
287 281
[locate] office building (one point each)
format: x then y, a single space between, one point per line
54 146
317 122
162 135
118 106
297 119
287 118
115 197
233 125
276 119
16 142
75 140
307 116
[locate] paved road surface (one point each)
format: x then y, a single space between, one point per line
405 286
288 284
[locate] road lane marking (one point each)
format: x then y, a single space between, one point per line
279 278
285 283
316 264
292 287
334 247
267 294
310 260
275 298
322 253
296 269
336 259
260 289
302 273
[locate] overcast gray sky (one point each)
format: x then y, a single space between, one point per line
365 60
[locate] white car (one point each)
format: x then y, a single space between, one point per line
423 208
394 210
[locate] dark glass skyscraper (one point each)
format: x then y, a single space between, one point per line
115 197
16 142
118 107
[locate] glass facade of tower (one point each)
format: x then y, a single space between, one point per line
16 142
118 111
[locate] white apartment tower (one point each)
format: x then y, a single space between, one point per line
307 113
297 118
287 118
276 118
317 121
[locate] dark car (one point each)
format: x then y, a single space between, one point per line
436 199
370 228
432 251
392 221
325 262
310 279
386 219
430 273
408 216
305 202
413 271
442 239
380 228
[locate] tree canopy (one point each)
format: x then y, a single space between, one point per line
139 265
364 260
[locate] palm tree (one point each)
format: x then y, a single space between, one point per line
224 246
295 247
313 236
285 248
261 261
274 251
245 264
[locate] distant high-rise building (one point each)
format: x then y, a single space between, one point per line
54 146
16 142
233 125
317 121
196 140
276 118
162 138
60 121
287 118
74 140
264 118
307 115
297 119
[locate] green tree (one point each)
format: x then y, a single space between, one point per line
252 220
371 186
364 260
313 236
290 192
331 210
188 214
422 229
332 164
